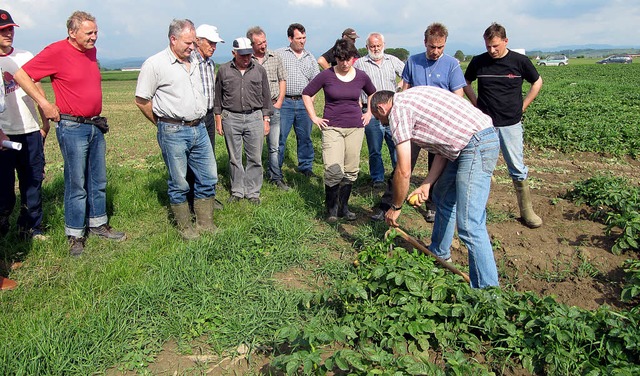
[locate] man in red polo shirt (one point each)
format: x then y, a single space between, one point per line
75 77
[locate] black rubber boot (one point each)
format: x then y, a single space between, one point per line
343 211
331 201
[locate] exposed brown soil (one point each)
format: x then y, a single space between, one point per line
568 258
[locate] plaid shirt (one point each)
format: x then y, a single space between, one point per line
207 71
272 63
300 71
384 75
435 119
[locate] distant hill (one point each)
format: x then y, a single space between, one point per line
129 62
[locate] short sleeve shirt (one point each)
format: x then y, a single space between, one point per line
500 85
435 119
444 73
175 92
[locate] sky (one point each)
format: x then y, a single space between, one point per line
138 28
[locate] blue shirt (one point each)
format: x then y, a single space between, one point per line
444 73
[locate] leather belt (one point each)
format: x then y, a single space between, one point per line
78 119
181 122
247 112
294 97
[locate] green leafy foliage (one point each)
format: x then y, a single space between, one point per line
400 314
587 108
632 287
616 202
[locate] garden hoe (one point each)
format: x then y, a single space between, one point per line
422 247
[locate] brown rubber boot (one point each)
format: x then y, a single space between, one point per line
529 217
203 208
182 215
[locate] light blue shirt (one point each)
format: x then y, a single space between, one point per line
444 73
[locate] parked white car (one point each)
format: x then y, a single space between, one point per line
558 60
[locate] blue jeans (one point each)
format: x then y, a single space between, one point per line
274 173
293 114
460 196
512 146
29 165
375 134
244 130
83 149
184 146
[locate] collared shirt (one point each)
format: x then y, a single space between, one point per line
207 71
445 72
272 63
435 119
382 75
175 92
300 71
238 92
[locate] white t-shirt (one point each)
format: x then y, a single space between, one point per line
20 115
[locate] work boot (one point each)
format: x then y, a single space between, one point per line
529 217
343 211
203 208
108 232
7 284
182 215
331 202
76 246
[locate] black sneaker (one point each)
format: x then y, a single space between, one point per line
76 246
430 217
378 215
280 184
308 173
108 232
254 200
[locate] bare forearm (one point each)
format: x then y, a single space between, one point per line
146 107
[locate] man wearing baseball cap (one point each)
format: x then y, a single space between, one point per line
19 123
243 109
327 59
207 38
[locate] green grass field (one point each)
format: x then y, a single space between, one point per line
120 302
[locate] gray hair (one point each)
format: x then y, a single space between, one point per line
256 30
177 27
377 35
77 18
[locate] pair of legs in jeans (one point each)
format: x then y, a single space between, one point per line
83 149
29 165
184 146
293 114
460 196
375 134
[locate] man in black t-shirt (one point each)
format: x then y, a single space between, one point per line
327 60
500 74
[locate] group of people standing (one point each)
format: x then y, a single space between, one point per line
260 94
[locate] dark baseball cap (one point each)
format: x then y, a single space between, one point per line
5 19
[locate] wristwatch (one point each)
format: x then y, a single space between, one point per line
396 208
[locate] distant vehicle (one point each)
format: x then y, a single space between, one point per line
616 60
552 60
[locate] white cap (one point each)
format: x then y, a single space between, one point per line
242 46
208 32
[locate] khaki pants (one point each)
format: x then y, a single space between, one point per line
341 154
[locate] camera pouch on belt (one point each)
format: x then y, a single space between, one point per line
101 123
